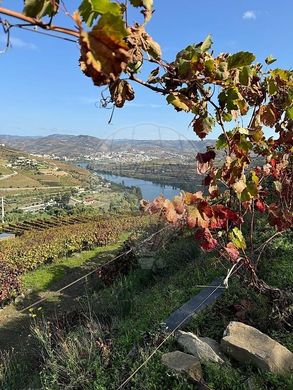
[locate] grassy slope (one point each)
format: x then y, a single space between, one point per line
44 277
135 306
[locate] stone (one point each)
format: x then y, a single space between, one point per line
247 344
183 363
204 348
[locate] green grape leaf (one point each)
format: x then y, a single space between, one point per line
86 12
104 6
270 59
39 8
245 75
237 238
153 77
289 112
272 86
91 9
207 43
229 99
221 142
240 59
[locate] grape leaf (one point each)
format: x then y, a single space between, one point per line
153 77
289 112
206 240
121 91
270 59
195 218
228 99
240 59
39 8
104 52
204 161
90 9
221 142
180 102
207 43
260 205
202 126
237 238
267 115
232 251
152 47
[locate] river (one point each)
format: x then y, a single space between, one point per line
149 190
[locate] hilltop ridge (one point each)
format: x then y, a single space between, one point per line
75 146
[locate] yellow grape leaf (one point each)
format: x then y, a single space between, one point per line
237 238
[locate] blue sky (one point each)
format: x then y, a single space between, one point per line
44 92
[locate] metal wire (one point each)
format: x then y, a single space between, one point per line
93 271
7 26
230 273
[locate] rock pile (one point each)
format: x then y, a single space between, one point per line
240 342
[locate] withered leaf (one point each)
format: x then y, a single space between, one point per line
267 115
121 91
104 52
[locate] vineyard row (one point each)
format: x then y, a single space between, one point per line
32 249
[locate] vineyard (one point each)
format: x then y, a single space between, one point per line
37 247
43 224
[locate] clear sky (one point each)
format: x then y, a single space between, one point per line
43 90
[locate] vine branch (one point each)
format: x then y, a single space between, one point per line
39 23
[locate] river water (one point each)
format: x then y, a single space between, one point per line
149 190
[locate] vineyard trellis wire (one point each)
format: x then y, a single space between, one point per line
94 270
223 285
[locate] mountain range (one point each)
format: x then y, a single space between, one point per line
81 145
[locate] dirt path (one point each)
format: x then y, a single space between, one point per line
8 176
15 325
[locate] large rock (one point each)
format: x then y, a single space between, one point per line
184 364
204 348
247 344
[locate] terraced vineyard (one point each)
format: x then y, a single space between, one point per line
43 224
43 244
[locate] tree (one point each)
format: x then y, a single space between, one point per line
232 91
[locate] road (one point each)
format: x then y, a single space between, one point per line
33 188
4 177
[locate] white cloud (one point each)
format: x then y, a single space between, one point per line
248 15
19 43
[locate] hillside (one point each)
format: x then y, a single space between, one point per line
81 145
22 170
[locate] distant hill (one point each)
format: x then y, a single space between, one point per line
19 169
81 145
